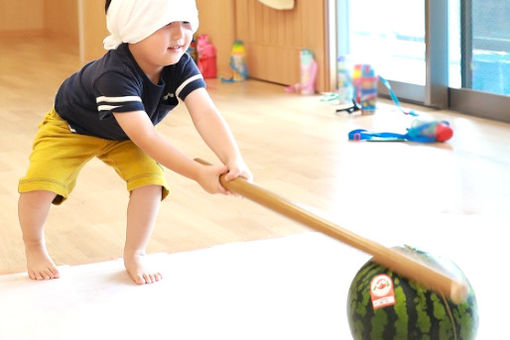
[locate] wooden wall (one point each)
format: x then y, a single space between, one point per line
272 38
61 19
56 18
17 16
92 29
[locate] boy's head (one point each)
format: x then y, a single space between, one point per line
132 21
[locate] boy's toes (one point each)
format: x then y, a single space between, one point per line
138 272
43 275
54 273
48 275
139 280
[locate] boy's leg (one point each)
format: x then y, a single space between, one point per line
33 209
141 217
56 158
147 185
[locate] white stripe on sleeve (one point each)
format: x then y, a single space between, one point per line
118 99
186 82
107 107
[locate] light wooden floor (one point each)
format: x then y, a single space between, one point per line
296 146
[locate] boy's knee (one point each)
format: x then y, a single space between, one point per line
151 181
38 197
44 189
150 189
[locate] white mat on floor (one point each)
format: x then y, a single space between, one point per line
288 288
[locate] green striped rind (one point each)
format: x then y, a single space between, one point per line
401 325
418 313
357 292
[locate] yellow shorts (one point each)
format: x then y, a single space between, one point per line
58 155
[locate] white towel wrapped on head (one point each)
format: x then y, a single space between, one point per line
131 21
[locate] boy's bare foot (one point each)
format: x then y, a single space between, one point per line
138 271
40 266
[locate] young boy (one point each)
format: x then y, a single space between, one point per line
108 110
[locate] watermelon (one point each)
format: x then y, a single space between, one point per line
382 305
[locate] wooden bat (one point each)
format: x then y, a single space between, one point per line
396 261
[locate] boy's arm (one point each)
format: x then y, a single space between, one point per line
215 132
140 130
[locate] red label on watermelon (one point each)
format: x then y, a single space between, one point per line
381 291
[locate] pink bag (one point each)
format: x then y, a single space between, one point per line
206 56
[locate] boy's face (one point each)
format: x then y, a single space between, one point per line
167 45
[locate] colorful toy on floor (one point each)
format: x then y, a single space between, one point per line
420 131
365 87
383 305
237 63
358 92
356 82
206 56
308 69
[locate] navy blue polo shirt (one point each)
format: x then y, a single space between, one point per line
115 83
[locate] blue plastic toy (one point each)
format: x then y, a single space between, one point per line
420 131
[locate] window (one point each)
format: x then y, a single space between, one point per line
441 53
487 45
394 44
